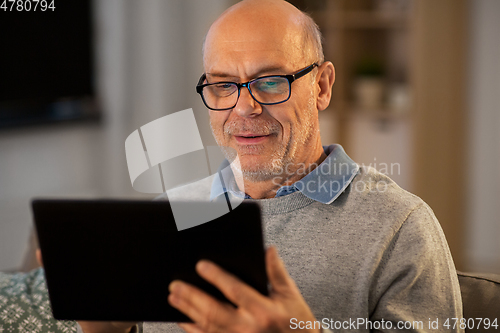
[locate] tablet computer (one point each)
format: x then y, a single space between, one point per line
114 259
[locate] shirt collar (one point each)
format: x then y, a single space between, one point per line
324 184
219 186
330 178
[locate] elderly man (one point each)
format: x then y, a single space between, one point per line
360 253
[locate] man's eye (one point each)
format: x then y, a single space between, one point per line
224 86
268 84
271 86
222 89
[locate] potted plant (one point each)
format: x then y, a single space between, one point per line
369 83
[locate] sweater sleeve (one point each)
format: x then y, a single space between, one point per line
416 282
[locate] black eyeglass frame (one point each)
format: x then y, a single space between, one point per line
289 77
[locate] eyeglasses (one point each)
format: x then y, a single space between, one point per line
266 90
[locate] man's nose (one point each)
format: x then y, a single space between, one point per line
246 105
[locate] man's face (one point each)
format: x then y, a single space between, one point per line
267 138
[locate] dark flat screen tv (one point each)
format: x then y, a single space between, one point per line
46 63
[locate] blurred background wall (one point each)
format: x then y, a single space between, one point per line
148 60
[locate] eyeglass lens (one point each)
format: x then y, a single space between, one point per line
266 90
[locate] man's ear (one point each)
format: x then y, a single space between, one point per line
326 75
39 257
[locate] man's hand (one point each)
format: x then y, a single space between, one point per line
105 326
254 312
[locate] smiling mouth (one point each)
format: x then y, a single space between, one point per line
250 135
251 138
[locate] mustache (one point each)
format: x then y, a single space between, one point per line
254 126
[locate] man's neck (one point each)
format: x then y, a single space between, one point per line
267 189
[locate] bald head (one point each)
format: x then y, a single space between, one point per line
277 21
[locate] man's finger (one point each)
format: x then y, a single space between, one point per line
276 270
191 328
202 308
235 290
105 326
39 257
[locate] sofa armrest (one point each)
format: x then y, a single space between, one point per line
480 298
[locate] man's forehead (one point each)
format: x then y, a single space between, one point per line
249 62
252 52
263 36
250 72
246 40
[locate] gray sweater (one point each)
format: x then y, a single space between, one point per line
376 253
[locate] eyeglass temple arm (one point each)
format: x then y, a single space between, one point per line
303 72
200 82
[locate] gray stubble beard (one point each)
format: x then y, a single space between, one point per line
280 158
